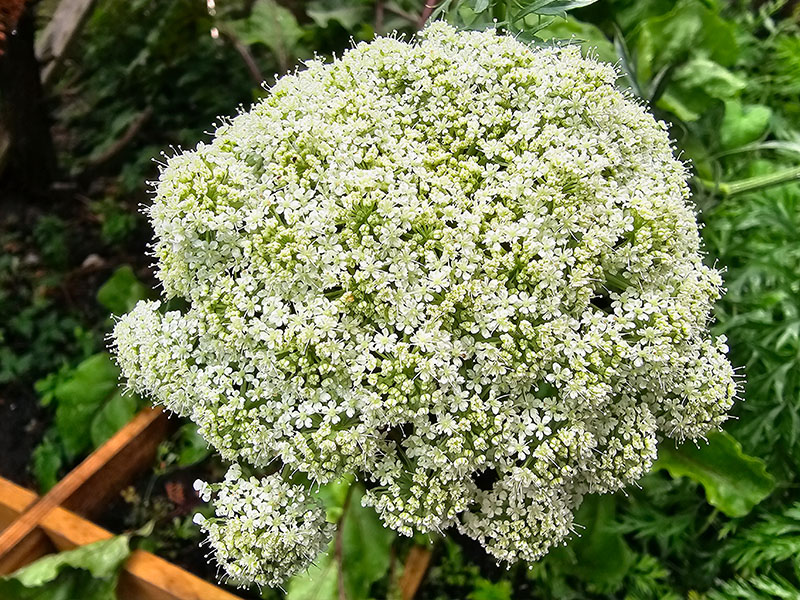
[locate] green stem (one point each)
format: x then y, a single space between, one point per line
752 184
708 522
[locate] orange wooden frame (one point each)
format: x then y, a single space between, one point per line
33 526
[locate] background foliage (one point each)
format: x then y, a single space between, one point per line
717 521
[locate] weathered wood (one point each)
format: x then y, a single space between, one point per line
13 502
54 42
144 576
97 479
416 565
31 527
131 451
14 499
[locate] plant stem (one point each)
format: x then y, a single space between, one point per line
426 12
752 184
338 544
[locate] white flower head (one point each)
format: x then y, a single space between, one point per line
458 267
264 530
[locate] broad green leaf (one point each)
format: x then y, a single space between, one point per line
488 590
467 16
696 85
87 573
273 26
349 16
592 40
79 397
112 416
91 382
677 107
320 582
366 547
743 124
734 482
122 291
365 554
559 7
480 6
190 446
631 13
333 496
601 555
532 8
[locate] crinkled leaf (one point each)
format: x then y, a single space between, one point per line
703 76
689 29
122 291
79 397
734 482
87 573
116 412
743 124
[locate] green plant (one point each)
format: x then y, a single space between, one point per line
88 405
88 572
117 222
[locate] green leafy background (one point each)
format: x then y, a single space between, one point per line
719 519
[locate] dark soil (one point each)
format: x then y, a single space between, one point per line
22 424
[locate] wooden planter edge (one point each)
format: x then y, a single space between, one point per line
144 575
32 526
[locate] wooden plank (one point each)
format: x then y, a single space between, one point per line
416 565
14 499
92 483
13 502
62 29
131 451
35 544
148 577
144 575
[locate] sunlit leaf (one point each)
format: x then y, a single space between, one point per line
86 573
122 291
734 482
743 124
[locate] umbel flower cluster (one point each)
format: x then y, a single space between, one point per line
462 269
262 529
